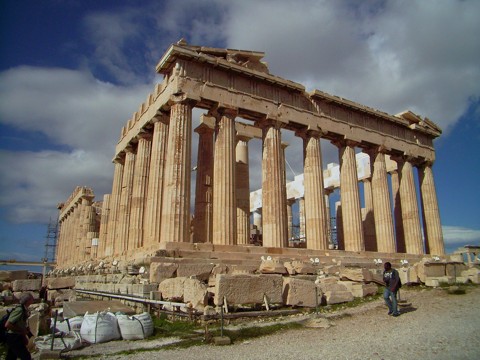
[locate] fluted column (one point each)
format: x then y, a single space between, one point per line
102 238
397 212
274 194
76 233
139 192
242 191
315 211
339 221
350 198
410 214
381 204
224 198
327 192
367 217
431 215
203 220
113 225
301 219
153 216
91 231
125 203
290 203
60 243
175 224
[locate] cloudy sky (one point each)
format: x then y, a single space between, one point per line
72 72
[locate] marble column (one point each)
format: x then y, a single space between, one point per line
301 219
153 210
113 225
290 203
431 215
410 214
315 210
339 222
121 245
242 191
382 211
350 198
203 220
77 213
328 191
139 191
274 200
224 198
175 226
90 231
397 212
368 221
104 226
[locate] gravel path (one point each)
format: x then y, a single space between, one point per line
436 326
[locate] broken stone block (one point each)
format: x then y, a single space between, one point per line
298 292
338 297
60 282
332 269
143 290
429 269
27 285
195 293
11 275
248 289
301 268
272 267
199 271
355 274
472 274
455 269
172 289
161 271
408 275
242 269
360 289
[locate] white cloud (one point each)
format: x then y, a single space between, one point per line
387 55
460 236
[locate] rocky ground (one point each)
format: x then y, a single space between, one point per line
436 325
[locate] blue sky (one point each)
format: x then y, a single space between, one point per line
72 73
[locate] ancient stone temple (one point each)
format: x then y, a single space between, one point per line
148 208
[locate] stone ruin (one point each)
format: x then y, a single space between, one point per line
141 240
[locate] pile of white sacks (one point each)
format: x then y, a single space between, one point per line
96 328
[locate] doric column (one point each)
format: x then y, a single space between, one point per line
290 203
274 194
176 189
224 198
350 198
60 243
397 212
103 232
315 211
111 243
431 215
90 231
125 203
328 216
384 231
72 241
153 216
242 190
410 214
301 219
203 220
139 191
77 211
339 222
367 217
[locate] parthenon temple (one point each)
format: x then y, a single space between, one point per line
149 207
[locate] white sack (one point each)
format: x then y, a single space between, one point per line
99 327
67 325
136 327
65 342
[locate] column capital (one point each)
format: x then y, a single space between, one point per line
374 150
181 98
219 110
310 133
143 134
203 129
160 116
344 142
267 122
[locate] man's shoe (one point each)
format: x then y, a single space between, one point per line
396 314
390 313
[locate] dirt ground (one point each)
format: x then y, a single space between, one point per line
436 325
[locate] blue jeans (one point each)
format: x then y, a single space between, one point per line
390 298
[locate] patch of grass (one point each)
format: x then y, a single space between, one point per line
180 328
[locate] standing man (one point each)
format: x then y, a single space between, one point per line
391 278
18 332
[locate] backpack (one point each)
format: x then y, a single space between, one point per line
3 330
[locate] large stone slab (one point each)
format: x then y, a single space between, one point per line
338 297
186 290
360 289
161 271
272 267
11 275
299 292
199 271
60 282
27 285
301 268
472 274
408 275
356 274
248 289
429 269
80 308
